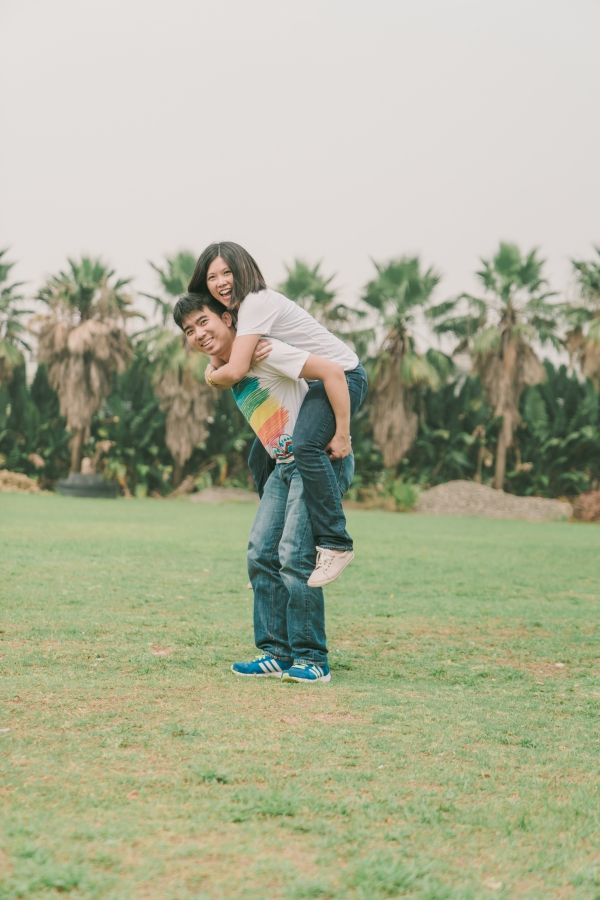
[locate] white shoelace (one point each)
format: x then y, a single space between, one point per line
324 559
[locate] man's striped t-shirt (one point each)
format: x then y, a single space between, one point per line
270 397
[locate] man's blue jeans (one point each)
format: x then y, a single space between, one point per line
314 428
289 617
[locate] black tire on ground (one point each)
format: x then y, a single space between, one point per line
78 485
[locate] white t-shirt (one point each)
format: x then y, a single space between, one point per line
270 397
274 316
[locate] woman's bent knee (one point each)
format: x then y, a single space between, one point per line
305 448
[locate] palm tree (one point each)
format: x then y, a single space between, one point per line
82 341
497 330
12 342
583 338
174 277
312 290
178 372
398 292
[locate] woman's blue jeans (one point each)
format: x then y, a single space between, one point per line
289 617
314 428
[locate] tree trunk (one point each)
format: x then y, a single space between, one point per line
504 441
395 423
480 457
507 402
504 372
76 450
177 474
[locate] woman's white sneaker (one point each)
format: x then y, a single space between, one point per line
329 565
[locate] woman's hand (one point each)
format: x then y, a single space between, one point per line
339 446
261 351
207 373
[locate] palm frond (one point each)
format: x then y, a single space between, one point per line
487 341
536 414
176 273
85 292
575 316
12 328
594 330
522 331
588 276
417 369
10 358
441 310
307 286
399 288
5 266
508 272
442 363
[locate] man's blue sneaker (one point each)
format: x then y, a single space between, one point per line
265 666
304 674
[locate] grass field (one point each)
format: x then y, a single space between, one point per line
454 755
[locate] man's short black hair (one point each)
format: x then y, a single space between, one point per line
191 302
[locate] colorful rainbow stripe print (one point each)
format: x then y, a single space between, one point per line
265 414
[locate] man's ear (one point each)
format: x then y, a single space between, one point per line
227 319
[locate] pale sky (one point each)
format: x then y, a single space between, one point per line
324 129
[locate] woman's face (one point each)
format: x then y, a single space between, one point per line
219 280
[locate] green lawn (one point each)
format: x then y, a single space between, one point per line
450 757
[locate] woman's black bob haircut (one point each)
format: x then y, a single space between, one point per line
247 277
190 303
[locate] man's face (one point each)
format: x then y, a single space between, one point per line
209 333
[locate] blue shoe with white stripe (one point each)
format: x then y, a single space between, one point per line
304 674
265 666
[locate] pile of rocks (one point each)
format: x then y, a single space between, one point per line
466 498
15 482
586 507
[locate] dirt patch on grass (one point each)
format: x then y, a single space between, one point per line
510 632
461 631
417 786
527 885
536 668
159 651
221 861
564 892
301 858
326 718
53 644
338 718
5 865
